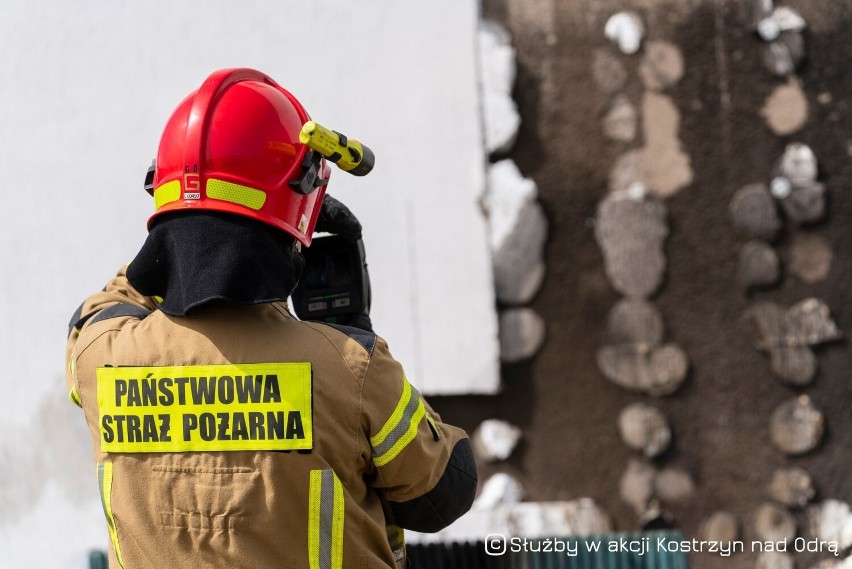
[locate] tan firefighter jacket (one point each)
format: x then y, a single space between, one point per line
241 437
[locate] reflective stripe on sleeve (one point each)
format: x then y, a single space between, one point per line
400 429
105 486
75 397
73 394
325 521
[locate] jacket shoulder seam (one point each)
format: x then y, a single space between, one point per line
365 339
336 349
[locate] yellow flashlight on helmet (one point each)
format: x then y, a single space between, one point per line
349 154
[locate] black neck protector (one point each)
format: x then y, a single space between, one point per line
193 258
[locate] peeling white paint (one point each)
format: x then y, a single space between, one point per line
626 30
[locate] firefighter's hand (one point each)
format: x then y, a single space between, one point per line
361 321
334 217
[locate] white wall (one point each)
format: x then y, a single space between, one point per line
86 87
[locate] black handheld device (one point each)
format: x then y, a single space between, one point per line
335 285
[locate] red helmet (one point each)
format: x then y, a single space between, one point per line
233 146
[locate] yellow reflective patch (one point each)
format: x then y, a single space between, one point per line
400 428
72 373
314 513
105 486
337 526
168 192
436 432
395 417
403 440
227 407
235 193
326 512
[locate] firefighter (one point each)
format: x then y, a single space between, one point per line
226 432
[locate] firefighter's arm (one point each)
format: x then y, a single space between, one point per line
424 467
118 298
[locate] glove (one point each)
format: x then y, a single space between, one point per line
334 217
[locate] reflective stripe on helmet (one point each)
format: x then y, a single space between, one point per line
167 193
235 193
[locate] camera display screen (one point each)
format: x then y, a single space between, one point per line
328 271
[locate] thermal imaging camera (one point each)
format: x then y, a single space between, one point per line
335 285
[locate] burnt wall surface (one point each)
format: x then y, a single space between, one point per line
720 416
